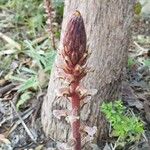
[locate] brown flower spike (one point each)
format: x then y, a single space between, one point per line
48 10
74 44
74 56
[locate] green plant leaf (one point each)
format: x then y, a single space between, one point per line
50 57
131 62
30 71
17 79
137 8
124 126
30 83
147 63
23 99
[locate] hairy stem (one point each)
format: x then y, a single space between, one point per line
75 125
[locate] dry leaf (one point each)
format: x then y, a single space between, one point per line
3 139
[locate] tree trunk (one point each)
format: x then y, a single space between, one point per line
107 24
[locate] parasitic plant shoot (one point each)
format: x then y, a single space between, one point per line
48 10
73 68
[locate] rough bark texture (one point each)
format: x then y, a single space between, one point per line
107 24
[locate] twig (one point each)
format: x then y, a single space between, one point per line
37 107
143 51
6 88
115 144
24 116
48 10
16 117
139 47
39 40
24 125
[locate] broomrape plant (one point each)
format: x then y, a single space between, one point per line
73 69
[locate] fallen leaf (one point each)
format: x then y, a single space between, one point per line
129 96
39 147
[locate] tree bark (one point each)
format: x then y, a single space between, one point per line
107 24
